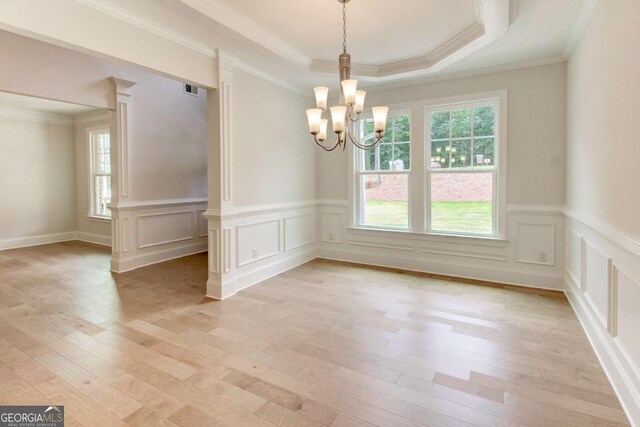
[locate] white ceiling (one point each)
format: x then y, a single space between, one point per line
296 42
378 31
42 105
543 30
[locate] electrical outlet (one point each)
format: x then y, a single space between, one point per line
255 253
542 256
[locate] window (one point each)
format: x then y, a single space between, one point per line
100 172
462 168
453 183
383 174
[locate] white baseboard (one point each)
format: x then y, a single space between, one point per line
128 264
250 278
522 278
23 242
93 238
611 359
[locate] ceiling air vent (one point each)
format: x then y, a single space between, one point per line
191 89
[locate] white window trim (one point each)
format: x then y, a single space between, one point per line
90 174
359 159
420 153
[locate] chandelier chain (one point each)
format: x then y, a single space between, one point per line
344 27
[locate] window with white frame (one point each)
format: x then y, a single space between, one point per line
100 171
461 172
383 174
452 184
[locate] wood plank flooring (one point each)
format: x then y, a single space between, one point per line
325 344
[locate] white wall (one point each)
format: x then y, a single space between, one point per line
37 178
273 156
603 201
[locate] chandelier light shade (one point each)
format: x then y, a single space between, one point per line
322 92
351 102
323 130
314 115
359 107
349 90
380 118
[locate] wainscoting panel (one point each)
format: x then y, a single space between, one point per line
299 231
263 241
626 320
536 243
156 231
605 295
257 241
573 255
597 281
332 226
514 260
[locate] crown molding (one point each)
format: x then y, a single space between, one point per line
493 22
248 28
35 116
586 13
405 68
243 66
150 26
445 77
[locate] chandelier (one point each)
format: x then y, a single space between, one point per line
351 105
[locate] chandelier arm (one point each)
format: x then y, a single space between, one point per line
365 146
350 115
327 148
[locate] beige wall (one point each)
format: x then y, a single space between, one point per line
603 109
36 178
536 131
168 131
273 154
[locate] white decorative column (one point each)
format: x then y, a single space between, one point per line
220 284
122 227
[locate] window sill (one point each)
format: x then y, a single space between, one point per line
437 237
99 219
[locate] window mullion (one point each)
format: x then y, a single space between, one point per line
473 137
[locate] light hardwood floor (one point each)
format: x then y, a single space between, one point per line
324 344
